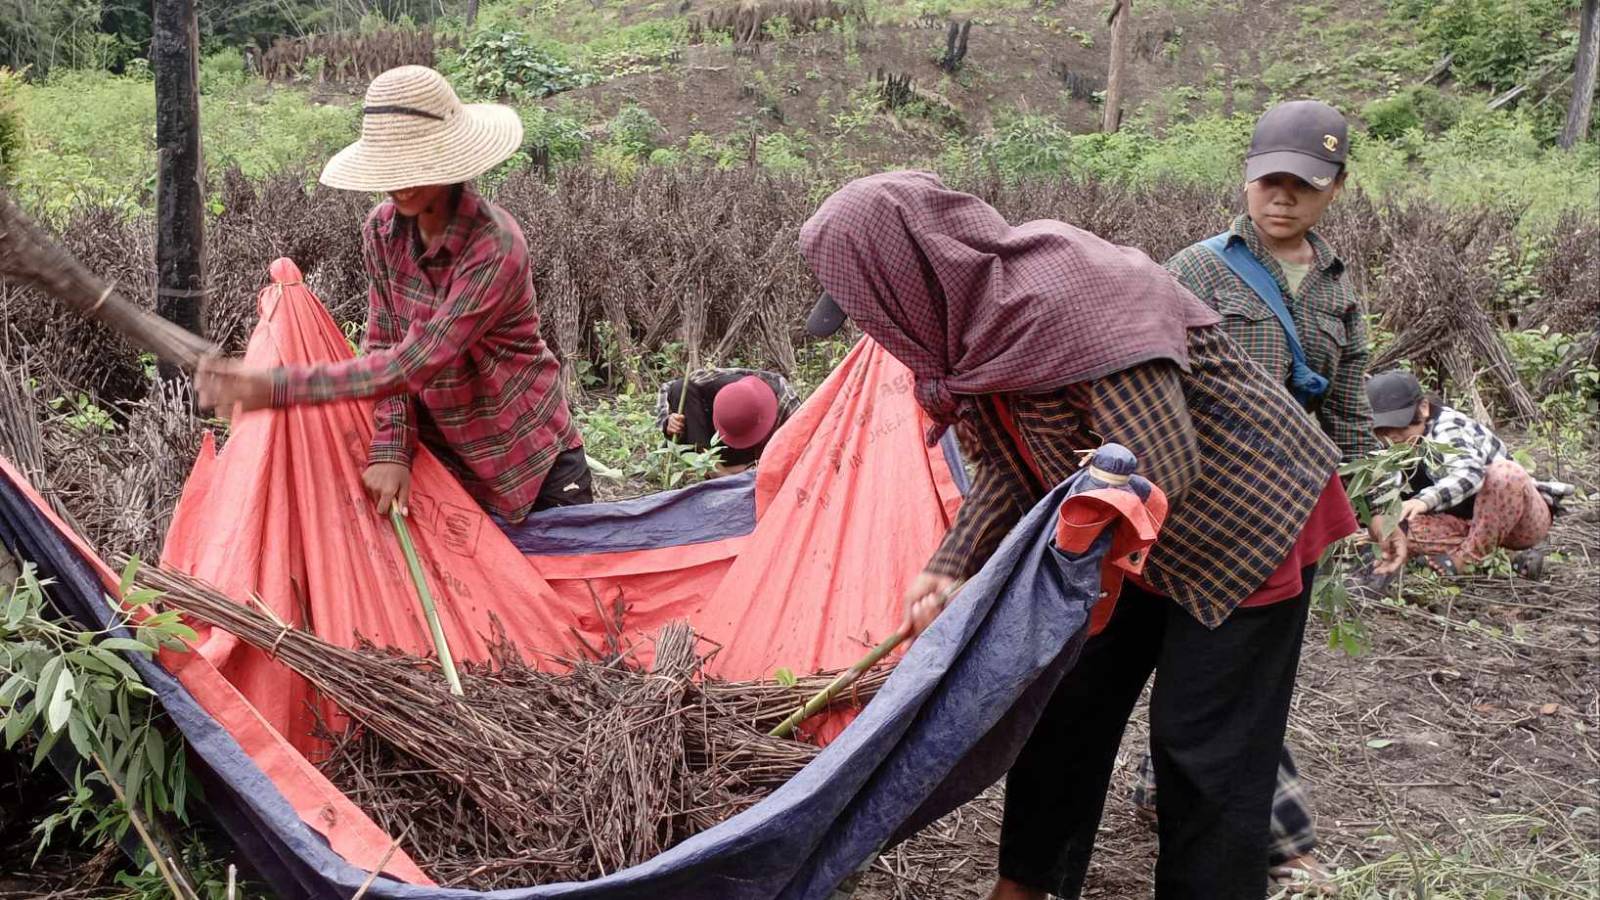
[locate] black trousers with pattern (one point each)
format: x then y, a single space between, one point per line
1218 712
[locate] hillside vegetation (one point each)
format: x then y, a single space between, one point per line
834 89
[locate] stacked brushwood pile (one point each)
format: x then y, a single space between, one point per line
347 56
113 474
534 775
618 260
701 265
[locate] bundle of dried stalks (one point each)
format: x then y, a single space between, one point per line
1430 306
534 776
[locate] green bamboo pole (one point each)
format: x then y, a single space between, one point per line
683 395
447 660
848 677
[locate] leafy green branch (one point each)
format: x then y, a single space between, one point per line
1376 485
73 683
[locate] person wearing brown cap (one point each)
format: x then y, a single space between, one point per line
1037 341
1284 297
738 409
453 353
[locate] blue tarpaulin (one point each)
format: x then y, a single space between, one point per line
947 724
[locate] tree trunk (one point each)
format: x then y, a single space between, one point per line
1121 15
1583 76
472 12
180 185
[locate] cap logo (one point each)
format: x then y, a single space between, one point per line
1320 181
1330 143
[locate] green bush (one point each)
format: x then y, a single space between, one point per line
1500 161
634 130
1027 144
778 152
617 159
633 48
263 133
1495 42
508 64
1419 107
222 71
562 135
11 135
100 146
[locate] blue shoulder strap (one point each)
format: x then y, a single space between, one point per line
1305 384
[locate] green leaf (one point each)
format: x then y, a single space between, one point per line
1379 743
119 756
165 617
78 733
86 660
46 686
12 689
46 741
785 677
134 779
60 708
155 748
116 663
140 597
126 644
17 609
18 723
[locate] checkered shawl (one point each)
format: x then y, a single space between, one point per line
973 305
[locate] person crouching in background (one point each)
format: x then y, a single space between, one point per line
738 409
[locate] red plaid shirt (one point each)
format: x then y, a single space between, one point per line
453 330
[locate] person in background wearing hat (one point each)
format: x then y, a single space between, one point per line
453 352
1284 298
1041 340
1459 510
741 408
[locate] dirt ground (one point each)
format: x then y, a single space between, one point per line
1046 58
1459 753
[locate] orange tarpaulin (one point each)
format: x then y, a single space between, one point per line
847 505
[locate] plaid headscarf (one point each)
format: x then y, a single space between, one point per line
973 305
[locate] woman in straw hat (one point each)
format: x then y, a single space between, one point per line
453 350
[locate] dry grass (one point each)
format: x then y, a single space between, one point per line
1458 760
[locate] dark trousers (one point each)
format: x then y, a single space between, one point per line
569 482
1218 713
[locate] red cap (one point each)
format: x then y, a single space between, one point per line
745 412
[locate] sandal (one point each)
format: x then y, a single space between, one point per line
1529 563
1304 876
1364 582
1442 564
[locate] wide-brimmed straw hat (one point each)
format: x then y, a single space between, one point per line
415 132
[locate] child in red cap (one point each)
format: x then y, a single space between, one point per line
739 409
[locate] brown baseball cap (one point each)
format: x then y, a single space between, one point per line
1304 138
